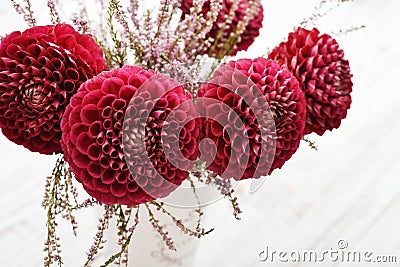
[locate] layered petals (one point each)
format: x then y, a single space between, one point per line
250 138
40 69
324 75
118 136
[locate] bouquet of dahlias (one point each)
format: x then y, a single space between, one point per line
149 106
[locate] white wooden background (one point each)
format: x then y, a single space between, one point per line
349 189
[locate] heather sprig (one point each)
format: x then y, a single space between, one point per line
252 11
160 229
324 8
127 36
60 197
89 202
198 232
54 15
132 9
26 11
81 24
176 70
310 143
349 30
198 211
226 189
235 205
224 186
197 27
130 34
220 41
99 240
116 55
125 233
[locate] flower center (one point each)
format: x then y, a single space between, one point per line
135 142
33 97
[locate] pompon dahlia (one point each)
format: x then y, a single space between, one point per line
40 69
247 37
274 128
324 75
112 136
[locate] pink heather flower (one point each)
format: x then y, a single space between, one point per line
249 34
324 75
282 93
40 69
116 158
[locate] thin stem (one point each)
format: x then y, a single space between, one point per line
25 11
160 229
179 223
124 245
310 143
55 17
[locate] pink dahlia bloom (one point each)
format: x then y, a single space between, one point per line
40 69
113 136
239 88
246 38
324 75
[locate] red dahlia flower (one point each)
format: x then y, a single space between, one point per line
40 69
324 75
112 136
248 36
240 112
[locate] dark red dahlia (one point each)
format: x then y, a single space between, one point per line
40 69
324 75
248 36
114 136
252 138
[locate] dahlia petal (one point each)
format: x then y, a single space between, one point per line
122 178
80 160
107 177
91 98
85 178
126 92
35 50
106 100
107 113
112 85
95 129
118 189
47 136
216 128
75 116
94 170
101 187
83 141
132 187
93 152
107 199
72 74
89 113
69 86
11 50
